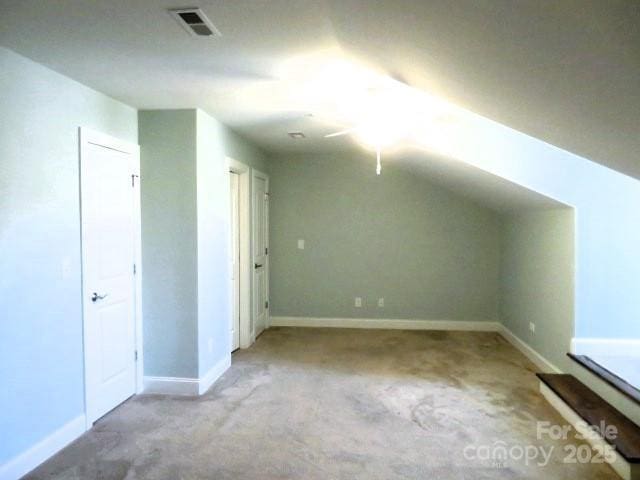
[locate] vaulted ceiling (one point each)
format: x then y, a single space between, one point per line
566 71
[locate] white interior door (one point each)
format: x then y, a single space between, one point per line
108 191
235 259
260 252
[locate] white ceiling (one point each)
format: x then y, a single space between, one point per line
567 71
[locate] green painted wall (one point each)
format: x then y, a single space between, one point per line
428 252
537 280
239 149
537 285
215 143
41 358
185 232
169 242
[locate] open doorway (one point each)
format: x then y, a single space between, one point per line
240 255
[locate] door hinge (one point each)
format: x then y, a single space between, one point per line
266 304
136 355
266 251
134 269
133 179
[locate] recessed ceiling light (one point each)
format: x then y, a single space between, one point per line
297 135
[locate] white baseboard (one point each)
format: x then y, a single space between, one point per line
214 374
402 324
538 360
172 385
44 449
606 347
186 386
385 323
623 468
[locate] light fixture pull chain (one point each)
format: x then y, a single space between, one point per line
378 164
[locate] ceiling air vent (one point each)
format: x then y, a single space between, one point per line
194 21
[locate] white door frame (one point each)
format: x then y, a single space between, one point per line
258 174
234 254
244 178
87 137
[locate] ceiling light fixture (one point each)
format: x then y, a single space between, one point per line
379 112
297 135
355 130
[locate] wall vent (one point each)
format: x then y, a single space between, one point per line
194 21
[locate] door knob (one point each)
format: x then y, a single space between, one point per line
257 265
95 297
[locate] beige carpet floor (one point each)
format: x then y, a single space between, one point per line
339 404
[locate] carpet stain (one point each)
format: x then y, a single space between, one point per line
335 404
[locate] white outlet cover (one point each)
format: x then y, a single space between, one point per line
358 302
381 302
532 327
300 244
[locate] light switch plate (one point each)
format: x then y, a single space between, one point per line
300 244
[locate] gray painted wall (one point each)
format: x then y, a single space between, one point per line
429 253
169 242
40 284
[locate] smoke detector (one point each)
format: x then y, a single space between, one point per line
195 22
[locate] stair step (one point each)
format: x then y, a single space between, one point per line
595 411
609 377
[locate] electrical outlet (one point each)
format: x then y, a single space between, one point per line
532 327
381 302
300 244
358 302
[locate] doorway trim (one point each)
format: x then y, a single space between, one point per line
244 180
90 137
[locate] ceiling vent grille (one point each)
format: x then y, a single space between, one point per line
194 21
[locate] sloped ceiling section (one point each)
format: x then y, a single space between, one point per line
567 72
477 185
